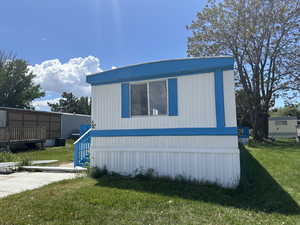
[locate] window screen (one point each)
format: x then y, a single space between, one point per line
158 98
139 99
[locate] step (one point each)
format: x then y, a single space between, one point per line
35 162
54 169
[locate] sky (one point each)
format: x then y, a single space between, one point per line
63 40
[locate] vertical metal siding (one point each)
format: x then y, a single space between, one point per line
221 168
196 106
195 157
207 158
229 99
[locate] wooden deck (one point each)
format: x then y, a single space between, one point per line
22 134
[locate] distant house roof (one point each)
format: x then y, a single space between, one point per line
162 68
30 110
283 118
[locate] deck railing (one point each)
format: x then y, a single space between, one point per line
19 134
82 149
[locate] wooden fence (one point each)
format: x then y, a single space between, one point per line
22 134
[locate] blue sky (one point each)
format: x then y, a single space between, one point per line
118 32
114 32
65 39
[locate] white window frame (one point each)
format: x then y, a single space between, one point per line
148 97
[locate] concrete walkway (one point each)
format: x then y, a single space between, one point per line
18 182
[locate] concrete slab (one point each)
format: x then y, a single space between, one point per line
35 162
8 164
18 182
54 169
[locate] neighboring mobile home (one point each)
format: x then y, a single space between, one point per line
283 127
177 117
29 126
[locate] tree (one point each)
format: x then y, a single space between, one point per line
71 104
287 110
263 38
242 109
17 88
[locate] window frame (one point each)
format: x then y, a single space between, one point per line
147 82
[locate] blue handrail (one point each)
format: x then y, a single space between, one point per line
82 149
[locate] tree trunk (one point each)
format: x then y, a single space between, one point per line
260 125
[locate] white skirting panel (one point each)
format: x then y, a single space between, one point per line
215 165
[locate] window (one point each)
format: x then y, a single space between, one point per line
280 122
139 100
149 98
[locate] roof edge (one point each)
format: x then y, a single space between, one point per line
161 68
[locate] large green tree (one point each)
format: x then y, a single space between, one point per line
263 37
71 104
17 88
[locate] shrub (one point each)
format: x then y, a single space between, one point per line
96 172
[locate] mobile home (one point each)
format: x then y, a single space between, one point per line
177 117
283 127
29 126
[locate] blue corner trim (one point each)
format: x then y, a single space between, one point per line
125 102
161 69
227 131
219 99
173 97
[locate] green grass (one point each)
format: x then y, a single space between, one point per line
269 194
63 154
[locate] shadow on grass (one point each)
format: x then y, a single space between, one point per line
257 191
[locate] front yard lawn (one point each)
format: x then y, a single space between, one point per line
269 194
63 154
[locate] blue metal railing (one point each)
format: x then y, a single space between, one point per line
82 149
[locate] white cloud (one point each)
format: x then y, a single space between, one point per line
54 76
43 104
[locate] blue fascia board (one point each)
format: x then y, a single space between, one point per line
161 69
227 131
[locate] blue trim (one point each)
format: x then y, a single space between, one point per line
245 132
229 131
125 100
173 97
161 69
219 99
84 128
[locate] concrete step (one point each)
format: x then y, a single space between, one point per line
54 169
34 162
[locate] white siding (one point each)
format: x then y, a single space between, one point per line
285 131
229 99
194 157
206 158
196 108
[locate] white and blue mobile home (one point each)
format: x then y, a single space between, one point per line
177 117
